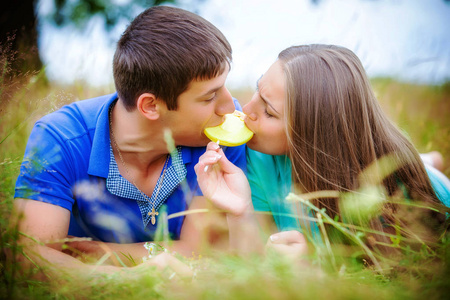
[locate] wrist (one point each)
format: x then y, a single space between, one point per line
243 213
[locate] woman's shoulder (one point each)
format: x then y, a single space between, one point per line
273 167
254 156
259 163
440 184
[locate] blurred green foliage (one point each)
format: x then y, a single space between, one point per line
79 12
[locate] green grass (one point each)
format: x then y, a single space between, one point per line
419 272
421 111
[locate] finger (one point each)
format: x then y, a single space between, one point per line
207 159
210 157
212 146
292 250
164 260
287 237
225 164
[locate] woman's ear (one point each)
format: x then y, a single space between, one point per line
149 106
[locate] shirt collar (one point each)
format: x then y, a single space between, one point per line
173 173
99 159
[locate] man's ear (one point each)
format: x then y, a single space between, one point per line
149 106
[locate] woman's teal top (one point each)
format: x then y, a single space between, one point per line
270 181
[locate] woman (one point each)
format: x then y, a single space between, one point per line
318 127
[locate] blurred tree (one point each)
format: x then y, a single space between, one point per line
18 37
80 12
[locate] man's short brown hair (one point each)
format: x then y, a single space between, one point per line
163 50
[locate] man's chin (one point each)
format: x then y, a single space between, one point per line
197 143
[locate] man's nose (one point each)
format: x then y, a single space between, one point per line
226 105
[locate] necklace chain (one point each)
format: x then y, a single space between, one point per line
153 213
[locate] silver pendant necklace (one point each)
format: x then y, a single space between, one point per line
152 213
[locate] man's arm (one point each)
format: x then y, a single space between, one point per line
44 226
203 228
43 221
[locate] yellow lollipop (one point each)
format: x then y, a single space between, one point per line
232 132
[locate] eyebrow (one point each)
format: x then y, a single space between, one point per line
263 99
213 90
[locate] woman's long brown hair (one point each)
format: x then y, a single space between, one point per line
336 129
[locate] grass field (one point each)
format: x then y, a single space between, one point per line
422 273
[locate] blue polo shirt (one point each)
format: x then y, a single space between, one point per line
68 162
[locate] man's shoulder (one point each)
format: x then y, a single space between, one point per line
76 117
237 105
84 109
235 154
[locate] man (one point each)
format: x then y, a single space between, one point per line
104 167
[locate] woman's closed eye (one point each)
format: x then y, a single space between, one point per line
266 112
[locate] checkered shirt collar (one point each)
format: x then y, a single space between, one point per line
119 186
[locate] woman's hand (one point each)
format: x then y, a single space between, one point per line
167 264
292 244
224 184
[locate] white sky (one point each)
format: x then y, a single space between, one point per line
407 39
